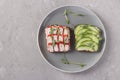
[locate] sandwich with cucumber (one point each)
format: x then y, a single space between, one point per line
87 38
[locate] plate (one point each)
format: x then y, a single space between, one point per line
54 59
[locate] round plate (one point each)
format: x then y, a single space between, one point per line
54 59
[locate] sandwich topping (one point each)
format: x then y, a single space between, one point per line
58 38
87 38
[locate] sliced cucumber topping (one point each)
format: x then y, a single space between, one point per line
87 37
91 32
78 37
95 46
81 31
87 43
94 29
85 48
94 38
77 29
82 40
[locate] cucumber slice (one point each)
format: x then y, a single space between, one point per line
81 31
87 43
77 29
85 48
95 46
91 32
95 29
78 37
81 40
94 38
100 38
91 44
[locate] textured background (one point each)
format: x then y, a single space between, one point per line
19 53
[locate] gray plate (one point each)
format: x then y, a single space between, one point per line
54 59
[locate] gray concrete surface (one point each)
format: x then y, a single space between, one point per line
20 58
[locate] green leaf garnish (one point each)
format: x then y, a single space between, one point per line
65 39
80 64
78 14
67 20
53 42
67 11
58 31
51 30
70 12
66 16
64 60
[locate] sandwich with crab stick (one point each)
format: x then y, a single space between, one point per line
58 38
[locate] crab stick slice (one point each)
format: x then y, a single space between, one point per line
49 39
66 39
67 32
47 31
54 28
60 38
67 47
50 48
55 37
60 30
61 47
56 49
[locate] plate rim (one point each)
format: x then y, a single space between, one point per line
99 20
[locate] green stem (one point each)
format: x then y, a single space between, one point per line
67 20
78 14
65 61
66 58
81 64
